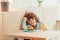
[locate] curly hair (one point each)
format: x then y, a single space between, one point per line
29 15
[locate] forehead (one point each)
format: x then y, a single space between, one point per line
31 19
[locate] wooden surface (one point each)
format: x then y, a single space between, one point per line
35 39
57 25
39 39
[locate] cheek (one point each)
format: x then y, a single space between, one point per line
34 21
30 22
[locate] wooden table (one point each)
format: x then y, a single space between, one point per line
37 35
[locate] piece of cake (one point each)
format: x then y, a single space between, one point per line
30 27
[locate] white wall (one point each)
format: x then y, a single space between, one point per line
23 3
50 16
31 3
58 13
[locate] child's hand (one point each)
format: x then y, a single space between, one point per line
24 19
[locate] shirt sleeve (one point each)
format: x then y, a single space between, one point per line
24 27
38 25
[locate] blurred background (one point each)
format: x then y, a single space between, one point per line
12 11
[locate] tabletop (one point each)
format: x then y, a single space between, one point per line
35 34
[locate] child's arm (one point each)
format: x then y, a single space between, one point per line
24 27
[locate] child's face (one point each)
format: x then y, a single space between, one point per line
32 21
